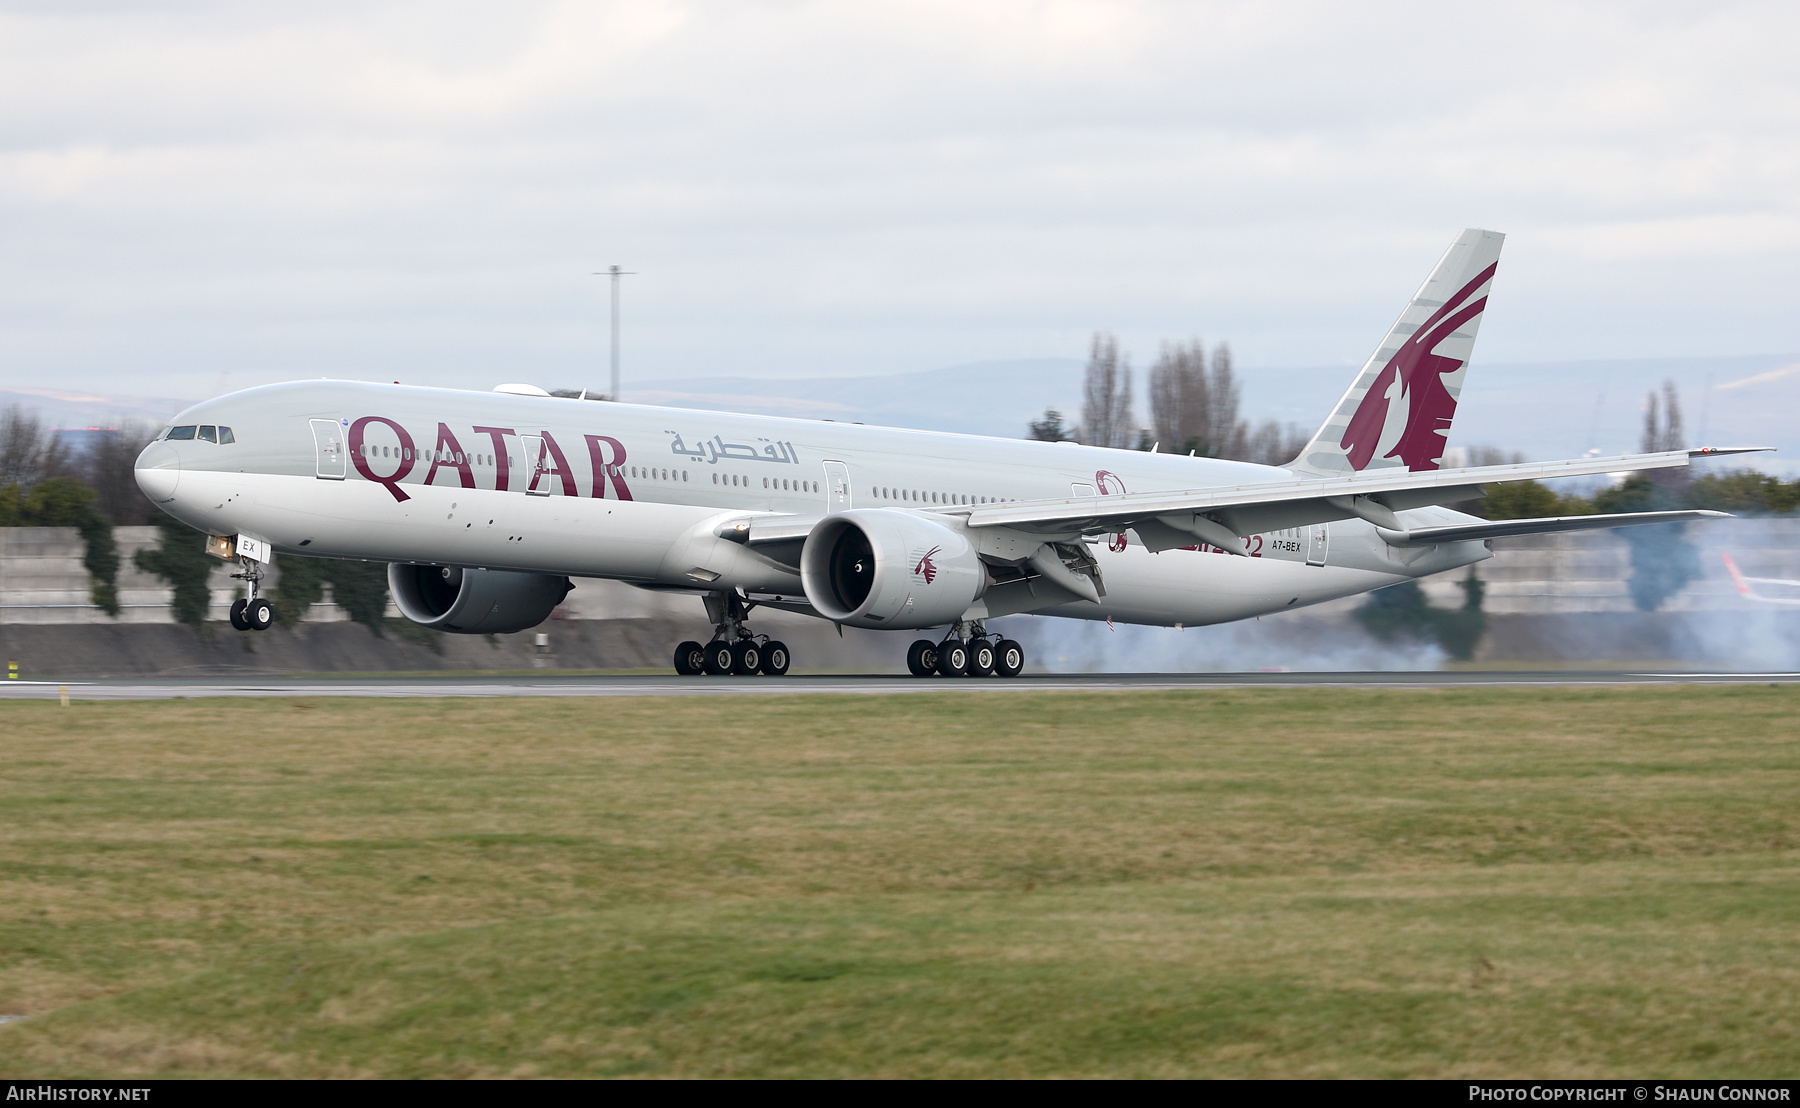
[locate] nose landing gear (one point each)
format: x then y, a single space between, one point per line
251 612
967 651
734 648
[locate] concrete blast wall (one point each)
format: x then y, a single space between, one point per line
1549 598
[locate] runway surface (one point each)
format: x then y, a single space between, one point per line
643 685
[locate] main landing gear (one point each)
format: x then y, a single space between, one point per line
967 651
734 649
251 612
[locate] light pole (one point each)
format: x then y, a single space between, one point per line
615 273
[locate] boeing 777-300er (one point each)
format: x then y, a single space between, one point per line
485 505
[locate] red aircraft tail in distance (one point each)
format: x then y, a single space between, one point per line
1743 584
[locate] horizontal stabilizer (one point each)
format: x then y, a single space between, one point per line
1505 528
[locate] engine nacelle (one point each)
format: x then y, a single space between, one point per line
475 601
889 569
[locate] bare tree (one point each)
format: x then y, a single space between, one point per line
1274 444
1178 398
1662 422
1194 409
107 466
1106 395
1663 431
1223 429
29 452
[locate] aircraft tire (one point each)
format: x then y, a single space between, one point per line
746 657
690 659
259 614
1009 658
718 659
921 658
982 656
238 622
775 659
953 658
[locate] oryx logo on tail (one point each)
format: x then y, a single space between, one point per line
1415 375
1397 412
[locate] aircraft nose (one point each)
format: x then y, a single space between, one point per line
158 471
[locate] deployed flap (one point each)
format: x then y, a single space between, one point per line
1544 526
1398 410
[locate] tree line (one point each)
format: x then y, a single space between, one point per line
1193 407
47 482
44 482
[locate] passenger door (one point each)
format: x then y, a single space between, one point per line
535 485
837 487
328 445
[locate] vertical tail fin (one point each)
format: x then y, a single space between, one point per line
1398 410
1737 578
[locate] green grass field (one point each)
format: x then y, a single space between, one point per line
1452 883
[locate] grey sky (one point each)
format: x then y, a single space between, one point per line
419 191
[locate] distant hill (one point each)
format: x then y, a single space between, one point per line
75 410
983 398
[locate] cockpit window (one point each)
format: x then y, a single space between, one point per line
183 433
225 436
209 433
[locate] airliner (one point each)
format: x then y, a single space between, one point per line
486 506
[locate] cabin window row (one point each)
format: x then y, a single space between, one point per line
784 484
923 496
444 457
202 432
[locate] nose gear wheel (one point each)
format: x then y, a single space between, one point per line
251 612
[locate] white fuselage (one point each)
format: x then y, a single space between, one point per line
639 494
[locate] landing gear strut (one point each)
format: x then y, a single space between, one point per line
734 648
967 650
251 612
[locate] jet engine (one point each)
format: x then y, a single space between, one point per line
475 601
888 569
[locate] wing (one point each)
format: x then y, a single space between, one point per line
1223 515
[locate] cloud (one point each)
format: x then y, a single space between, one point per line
827 188
1763 378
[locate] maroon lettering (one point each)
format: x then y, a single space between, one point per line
561 470
604 468
501 465
358 455
449 453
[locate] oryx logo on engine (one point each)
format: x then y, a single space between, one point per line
923 567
